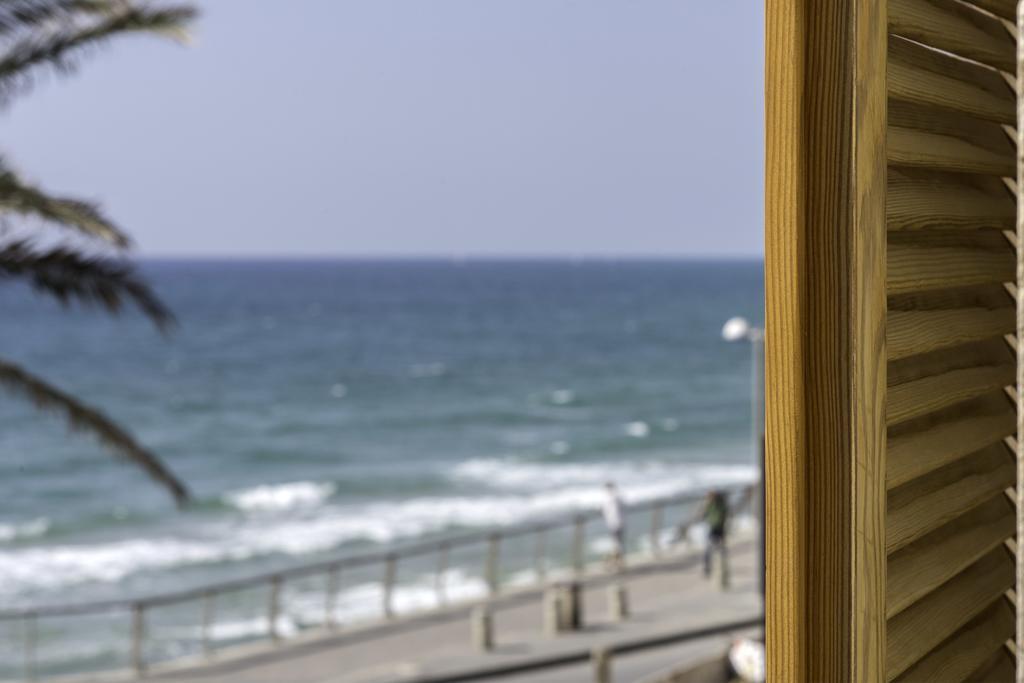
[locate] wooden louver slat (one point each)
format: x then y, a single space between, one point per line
954 27
923 149
912 332
919 268
914 632
921 567
921 200
998 669
970 649
922 75
1006 9
917 453
929 394
927 503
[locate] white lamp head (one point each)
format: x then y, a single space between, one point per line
735 329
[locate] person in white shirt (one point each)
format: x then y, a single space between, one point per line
612 509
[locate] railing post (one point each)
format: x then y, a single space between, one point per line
540 555
331 597
442 571
656 514
388 585
578 539
492 570
208 614
274 607
30 646
601 660
138 636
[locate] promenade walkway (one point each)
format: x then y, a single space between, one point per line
665 597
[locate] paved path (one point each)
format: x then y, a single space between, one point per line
666 598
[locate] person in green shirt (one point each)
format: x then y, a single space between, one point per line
716 516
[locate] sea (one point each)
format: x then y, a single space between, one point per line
324 408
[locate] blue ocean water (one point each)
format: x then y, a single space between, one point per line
320 407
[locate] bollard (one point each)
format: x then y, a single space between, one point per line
138 635
618 604
570 606
491 568
388 586
551 611
331 597
601 660
482 627
274 608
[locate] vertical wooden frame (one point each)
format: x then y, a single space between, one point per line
825 344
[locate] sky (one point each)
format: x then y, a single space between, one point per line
382 128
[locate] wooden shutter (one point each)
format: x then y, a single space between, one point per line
890 272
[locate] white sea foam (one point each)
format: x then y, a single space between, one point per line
638 481
297 520
13 531
562 397
638 430
277 497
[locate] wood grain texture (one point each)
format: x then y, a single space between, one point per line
927 503
922 200
923 149
912 332
916 631
922 75
922 566
920 397
914 454
998 669
867 305
825 260
1006 9
916 268
786 284
954 27
971 648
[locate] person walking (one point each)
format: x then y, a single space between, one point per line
612 510
716 516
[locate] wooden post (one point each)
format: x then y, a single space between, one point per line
138 637
442 572
209 606
540 563
578 541
656 513
491 571
825 289
30 625
331 597
601 661
388 586
274 608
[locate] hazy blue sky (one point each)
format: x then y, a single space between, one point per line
379 127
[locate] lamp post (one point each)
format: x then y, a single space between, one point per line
734 330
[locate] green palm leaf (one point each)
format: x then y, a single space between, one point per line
24 199
85 418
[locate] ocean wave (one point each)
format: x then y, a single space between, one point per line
31 529
279 497
522 491
637 481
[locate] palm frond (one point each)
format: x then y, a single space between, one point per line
22 198
61 45
85 418
69 276
19 16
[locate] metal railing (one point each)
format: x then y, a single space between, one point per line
138 610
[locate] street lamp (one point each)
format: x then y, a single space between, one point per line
734 330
